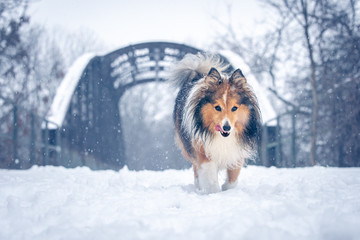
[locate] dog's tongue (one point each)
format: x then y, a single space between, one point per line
218 128
223 133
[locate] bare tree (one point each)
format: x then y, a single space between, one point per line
76 43
318 42
300 11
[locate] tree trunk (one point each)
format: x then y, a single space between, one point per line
315 108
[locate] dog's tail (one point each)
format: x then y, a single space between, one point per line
193 67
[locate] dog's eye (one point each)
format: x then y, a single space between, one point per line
234 109
218 108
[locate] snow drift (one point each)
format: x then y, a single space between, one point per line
58 203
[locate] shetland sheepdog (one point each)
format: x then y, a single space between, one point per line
217 119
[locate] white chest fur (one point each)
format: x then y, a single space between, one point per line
226 152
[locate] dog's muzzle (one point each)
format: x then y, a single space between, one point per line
224 131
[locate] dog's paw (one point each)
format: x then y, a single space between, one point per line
227 185
208 189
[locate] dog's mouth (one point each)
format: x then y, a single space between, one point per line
222 132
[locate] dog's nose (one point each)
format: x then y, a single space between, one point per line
226 127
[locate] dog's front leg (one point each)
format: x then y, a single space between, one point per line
232 176
208 177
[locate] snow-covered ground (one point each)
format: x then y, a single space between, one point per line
58 203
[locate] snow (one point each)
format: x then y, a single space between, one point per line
268 203
65 91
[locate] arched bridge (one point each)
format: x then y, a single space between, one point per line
85 110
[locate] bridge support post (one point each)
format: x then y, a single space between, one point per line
15 162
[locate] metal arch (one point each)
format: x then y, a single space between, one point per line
93 127
141 63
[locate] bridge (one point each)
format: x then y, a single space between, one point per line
84 124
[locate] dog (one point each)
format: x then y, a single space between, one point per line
217 119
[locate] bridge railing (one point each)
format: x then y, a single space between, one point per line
26 139
281 144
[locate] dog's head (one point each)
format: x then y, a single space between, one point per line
229 105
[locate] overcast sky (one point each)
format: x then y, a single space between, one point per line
122 22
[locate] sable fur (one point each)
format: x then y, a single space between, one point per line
209 97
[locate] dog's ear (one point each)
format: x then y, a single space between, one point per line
237 77
213 77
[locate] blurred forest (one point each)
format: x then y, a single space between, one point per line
309 60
